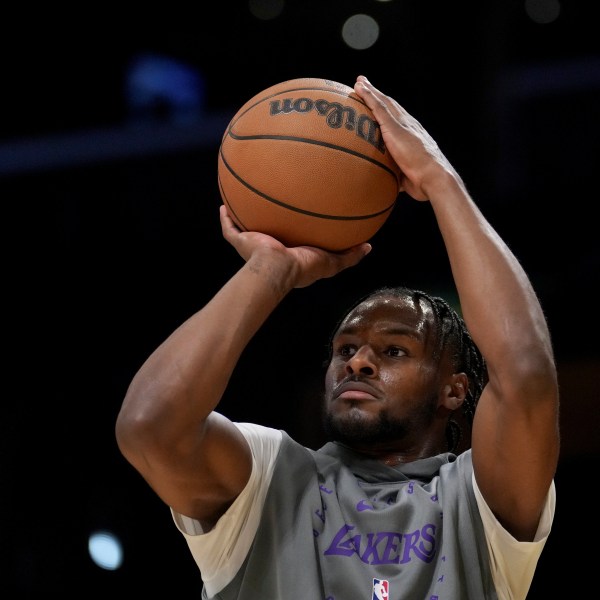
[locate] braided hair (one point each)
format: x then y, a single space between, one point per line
452 338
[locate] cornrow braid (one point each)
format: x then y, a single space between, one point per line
451 337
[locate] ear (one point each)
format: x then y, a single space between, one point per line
454 391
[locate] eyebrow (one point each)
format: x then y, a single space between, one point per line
388 330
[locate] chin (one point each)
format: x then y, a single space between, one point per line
360 427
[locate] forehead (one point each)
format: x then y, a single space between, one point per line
389 313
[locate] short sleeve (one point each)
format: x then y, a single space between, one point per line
220 552
513 563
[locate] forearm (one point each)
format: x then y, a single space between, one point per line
498 302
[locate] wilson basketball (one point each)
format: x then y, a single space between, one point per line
304 161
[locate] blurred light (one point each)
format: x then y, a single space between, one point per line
105 550
160 86
360 31
542 11
265 10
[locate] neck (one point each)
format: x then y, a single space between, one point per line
394 456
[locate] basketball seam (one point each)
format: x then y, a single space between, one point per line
290 138
230 208
301 210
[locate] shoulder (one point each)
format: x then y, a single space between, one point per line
254 432
264 442
460 465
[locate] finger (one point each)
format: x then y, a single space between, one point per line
364 84
228 227
223 212
368 92
352 256
377 101
364 89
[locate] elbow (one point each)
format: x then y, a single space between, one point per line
132 434
537 381
138 425
530 379
154 428
536 374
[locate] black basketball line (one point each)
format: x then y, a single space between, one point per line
291 138
301 210
230 208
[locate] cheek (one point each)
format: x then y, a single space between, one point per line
334 375
405 389
329 380
395 380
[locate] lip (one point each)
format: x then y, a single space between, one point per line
356 390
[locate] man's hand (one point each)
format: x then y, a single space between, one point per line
417 154
306 264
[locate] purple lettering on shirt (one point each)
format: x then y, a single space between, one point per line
343 547
384 547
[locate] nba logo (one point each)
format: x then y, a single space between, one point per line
381 589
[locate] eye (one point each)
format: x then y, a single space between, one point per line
346 350
396 351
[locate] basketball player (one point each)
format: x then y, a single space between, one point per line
389 507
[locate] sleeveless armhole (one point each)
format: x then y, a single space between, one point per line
513 563
220 552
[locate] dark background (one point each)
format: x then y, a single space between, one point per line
112 239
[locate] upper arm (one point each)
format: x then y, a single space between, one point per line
515 446
201 476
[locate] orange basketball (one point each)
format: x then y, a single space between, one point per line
304 161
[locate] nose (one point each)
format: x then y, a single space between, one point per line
363 362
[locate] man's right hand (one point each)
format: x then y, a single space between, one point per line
305 264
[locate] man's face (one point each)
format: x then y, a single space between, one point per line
382 382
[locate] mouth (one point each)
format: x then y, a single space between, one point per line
355 390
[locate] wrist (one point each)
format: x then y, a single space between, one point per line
276 268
